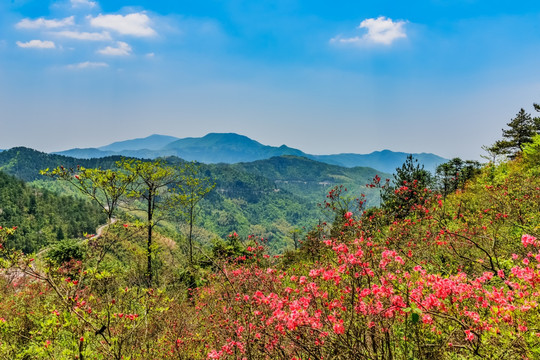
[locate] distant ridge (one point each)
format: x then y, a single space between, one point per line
233 148
385 160
152 142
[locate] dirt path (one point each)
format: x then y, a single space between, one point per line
102 228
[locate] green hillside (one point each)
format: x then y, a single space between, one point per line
268 198
312 179
43 217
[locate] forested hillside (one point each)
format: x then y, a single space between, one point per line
43 217
268 198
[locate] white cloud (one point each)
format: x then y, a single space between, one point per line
136 24
37 44
379 31
83 3
90 36
150 55
123 49
44 23
88 65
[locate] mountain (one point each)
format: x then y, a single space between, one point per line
152 142
233 148
227 148
384 160
85 153
149 147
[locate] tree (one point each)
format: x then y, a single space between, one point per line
192 190
153 180
453 175
531 153
104 187
521 130
407 188
295 234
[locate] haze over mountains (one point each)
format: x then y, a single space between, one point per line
234 148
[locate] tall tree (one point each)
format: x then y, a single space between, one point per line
104 187
407 188
521 130
193 188
453 175
153 180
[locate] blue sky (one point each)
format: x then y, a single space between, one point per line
441 76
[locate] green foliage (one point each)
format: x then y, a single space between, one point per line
411 181
65 251
187 195
521 130
531 155
41 216
104 187
454 174
26 163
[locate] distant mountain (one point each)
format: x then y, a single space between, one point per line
152 142
146 148
384 160
85 153
226 148
232 148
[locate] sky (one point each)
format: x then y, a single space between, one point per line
326 77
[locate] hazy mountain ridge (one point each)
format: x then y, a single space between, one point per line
384 160
233 148
152 142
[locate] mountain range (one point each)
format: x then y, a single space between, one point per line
233 148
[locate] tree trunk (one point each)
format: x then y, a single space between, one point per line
149 240
191 235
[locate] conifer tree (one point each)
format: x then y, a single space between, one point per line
521 130
407 189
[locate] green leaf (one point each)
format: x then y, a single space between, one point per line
415 318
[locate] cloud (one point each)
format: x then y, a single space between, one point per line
123 49
88 65
382 31
37 44
83 3
44 23
135 24
90 36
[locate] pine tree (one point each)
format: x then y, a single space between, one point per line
407 189
521 130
